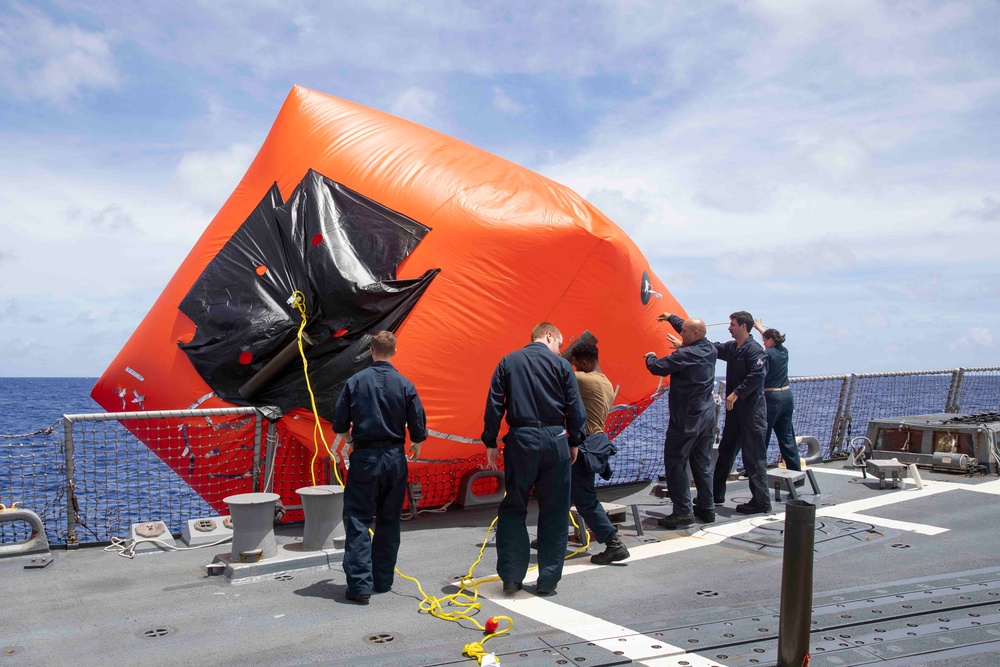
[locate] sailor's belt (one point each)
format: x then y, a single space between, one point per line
519 423
377 444
785 388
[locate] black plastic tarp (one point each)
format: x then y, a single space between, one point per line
337 247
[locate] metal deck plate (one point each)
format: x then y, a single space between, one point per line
832 536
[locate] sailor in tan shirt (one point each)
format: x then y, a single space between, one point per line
598 395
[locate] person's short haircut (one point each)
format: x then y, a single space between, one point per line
775 335
543 328
384 344
585 351
744 318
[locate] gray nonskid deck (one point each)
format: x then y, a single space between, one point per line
697 595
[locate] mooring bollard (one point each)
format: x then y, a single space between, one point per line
323 507
796 584
253 526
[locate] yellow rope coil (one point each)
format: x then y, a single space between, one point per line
467 604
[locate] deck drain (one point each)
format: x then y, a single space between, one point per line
156 633
380 638
708 594
284 577
899 545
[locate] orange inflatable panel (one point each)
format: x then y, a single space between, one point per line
379 223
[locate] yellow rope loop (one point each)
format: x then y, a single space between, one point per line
300 304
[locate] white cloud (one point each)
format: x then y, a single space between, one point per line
209 177
838 331
776 263
988 212
981 336
502 102
877 320
111 218
415 104
43 60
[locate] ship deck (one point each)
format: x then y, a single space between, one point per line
902 577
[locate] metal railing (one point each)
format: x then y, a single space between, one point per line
99 477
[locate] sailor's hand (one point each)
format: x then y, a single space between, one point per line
663 317
493 458
414 451
651 354
758 325
573 453
675 341
731 400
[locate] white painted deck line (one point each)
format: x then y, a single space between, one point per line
610 636
920 528
638 647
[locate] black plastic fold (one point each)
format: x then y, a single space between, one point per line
337 247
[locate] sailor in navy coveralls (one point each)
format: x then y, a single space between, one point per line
380 403
691 429
537 390
746 415
778 396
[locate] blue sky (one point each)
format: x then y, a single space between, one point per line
831 167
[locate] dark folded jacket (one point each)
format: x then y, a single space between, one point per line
596 451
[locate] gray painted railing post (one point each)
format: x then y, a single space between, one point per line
71 540
955 405
269 454
258 429
845 419
834 431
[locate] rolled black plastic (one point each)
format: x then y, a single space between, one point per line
796 583
272 368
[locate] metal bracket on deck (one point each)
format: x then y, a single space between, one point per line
36 542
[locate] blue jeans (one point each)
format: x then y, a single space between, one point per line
376 488
539 457
584 496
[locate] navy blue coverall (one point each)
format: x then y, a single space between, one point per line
380 403
745 424
538 392
780 405
691 428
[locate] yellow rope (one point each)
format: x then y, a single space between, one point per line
300 304
468 604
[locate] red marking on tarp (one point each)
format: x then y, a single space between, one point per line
316 240
246 358
261 270
338 333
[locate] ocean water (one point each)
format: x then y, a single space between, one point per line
120 481
30 404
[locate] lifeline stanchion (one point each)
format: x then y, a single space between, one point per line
796 584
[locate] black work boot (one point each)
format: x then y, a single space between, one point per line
672 521
614 552
705 516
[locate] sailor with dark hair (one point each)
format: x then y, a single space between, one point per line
537 390
746 415
691 428
778 396
597 395
380 404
